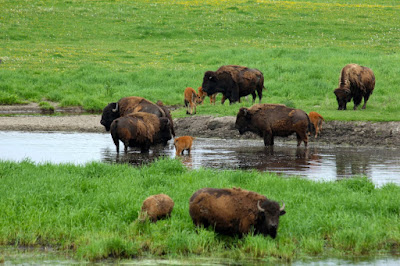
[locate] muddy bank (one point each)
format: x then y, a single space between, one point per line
334 132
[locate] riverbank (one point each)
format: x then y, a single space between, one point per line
354 133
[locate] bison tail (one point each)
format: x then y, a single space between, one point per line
309 128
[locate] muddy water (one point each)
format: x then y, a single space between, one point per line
381 165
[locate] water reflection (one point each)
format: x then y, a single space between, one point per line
381 165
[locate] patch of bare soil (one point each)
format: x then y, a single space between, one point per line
334 132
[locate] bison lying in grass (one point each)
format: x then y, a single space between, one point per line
235 211
156 207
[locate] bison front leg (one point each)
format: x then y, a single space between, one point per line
268 139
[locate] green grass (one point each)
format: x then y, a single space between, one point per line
91 211
89 53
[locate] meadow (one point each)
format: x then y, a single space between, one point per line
90 212
90 53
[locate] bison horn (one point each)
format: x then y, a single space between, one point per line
259 207
283 206
116 108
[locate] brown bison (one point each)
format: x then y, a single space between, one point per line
133 104
191 99
355 82
316 122
234 82
269 120
156 207
235 211
183 143
140 130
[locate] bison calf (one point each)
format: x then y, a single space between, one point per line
235 211
191 99
156 207
183 143
269 120
140 130
316 121
355 82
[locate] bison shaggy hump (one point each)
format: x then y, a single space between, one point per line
156 207
355 82
235 211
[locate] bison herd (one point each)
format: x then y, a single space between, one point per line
140 123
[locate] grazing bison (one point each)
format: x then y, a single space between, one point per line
156 207
355 82
140 130
183 143
235 211
133 104
234 82
316 122
269 120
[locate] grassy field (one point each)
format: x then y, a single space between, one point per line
89 53
91 211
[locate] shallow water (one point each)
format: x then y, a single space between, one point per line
381 165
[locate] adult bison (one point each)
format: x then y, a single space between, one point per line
141 130
355 82
269 120
133 104
235 211
234 82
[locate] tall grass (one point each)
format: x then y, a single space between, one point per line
89 53
92 210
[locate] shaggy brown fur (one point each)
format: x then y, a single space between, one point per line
355 82
133 104
138 129
234 82
235 211
316 119
191 99
156 207
183 143
269 120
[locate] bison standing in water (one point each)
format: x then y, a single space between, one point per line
134 104
234 82
355 82
235 211
140 130
269 120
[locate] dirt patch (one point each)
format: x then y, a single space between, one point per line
334 132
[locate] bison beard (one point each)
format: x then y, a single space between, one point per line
355 82
235 211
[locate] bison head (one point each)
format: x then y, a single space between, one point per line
165 130
243 120
268 218
110 113
343 96
210 81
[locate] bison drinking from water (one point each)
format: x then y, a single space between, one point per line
269 120
235 211
134 104
234 82
140 130
355 82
